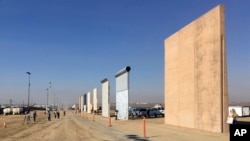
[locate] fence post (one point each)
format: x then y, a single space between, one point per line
109 121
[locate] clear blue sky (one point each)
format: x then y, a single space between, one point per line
75 44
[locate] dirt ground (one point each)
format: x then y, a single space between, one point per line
77 127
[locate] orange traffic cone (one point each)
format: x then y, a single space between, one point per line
4 125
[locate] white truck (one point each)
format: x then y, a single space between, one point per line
7 111
240 110
17 110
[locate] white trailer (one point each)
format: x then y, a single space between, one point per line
17 111
240 110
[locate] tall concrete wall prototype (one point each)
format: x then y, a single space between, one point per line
81 103
105 98
196 94
95 100
122 92
85 102
89 105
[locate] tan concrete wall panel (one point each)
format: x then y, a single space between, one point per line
195 74
186 73
172 97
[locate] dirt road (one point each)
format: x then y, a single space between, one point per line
69 128
75 127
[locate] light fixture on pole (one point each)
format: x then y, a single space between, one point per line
29 89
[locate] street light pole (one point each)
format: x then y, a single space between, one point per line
50 87
47 98
29 90
54 102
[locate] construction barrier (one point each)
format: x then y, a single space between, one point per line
109 122
93 117
4 125
144 127
86 115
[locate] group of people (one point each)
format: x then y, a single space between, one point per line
56 114
28 115
33 114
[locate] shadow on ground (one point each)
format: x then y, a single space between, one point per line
136 138
243 122
140 118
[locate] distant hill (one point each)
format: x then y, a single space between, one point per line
239 104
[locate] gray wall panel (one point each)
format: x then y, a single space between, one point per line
122 82
105 99
122 104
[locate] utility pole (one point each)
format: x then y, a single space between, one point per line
10 103
29 89
54 102
50 87
47 98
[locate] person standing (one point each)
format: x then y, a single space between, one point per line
27 117
55 113
49 115
148 113
58 114
34 116
234 115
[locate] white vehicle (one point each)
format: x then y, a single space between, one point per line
240 110
158 106
17 111
7 111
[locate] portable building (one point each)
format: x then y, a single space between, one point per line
240 110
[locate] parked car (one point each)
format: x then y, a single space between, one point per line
154 112
137 112
140 112
131 112
161 109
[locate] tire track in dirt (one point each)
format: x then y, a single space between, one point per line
72 127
